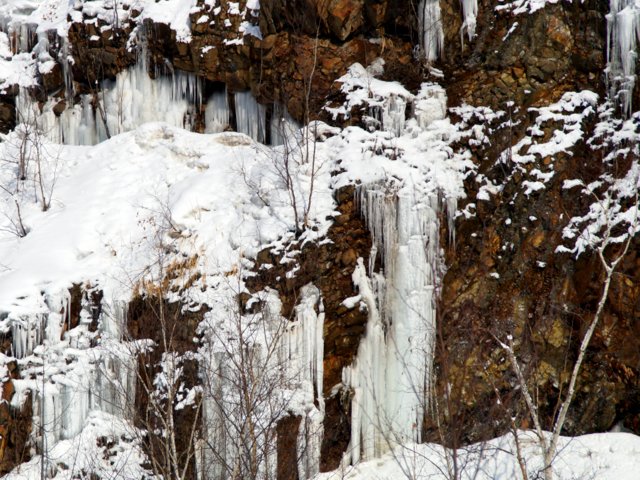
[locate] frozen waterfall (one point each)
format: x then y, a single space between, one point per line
391 374
469 14
117 106
623 33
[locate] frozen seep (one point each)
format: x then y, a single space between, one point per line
304 354
391 374
216 114
250 116
282 125
430 104
623 32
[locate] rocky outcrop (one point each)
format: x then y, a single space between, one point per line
526 58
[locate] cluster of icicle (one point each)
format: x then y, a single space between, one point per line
70 379
287 382
431 31
134 98
391 374
623 34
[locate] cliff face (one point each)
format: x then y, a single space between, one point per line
520 79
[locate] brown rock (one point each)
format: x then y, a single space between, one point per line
344 17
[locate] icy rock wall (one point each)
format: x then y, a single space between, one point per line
391 375
283 369
623 34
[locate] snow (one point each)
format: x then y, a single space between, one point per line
605 456
522 7
83 453
555 130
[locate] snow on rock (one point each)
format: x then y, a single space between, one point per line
85 453
612 214
385 102
520 7
557 128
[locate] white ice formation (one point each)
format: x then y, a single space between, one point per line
431 32
623 34
391 375
469 14
70 379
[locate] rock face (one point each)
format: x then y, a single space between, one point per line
527 58
504 273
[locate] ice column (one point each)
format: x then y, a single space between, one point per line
66 60
430 104
304 345
394 114
391 374
282 125
431 29
68 375
623 33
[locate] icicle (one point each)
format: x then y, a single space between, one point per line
282 125
133 99
66 60
431 29
623 32
306 354
394 114
250 116
286 377
27 333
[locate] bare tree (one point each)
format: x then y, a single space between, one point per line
28 167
